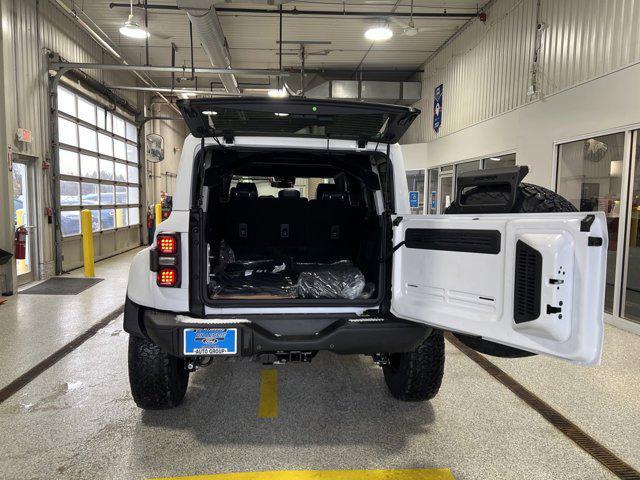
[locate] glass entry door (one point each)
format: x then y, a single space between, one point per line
446 191
590 177
23 206
631 289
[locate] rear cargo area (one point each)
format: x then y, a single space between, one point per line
289 227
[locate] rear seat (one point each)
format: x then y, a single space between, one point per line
329 220
242 227
289 224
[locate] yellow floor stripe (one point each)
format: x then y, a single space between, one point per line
407 474
268 394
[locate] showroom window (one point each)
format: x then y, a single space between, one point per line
98 165
415 182
496 161
590 177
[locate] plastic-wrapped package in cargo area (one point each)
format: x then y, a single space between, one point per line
337 280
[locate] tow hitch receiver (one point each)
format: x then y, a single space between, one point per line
280 358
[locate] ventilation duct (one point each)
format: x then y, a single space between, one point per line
404 93
207 26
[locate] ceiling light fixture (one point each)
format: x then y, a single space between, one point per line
281 114
379 33
209 112
132 29
277 93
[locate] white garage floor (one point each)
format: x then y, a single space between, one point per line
77 420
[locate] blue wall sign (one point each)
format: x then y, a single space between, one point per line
437 108
434 200
414 199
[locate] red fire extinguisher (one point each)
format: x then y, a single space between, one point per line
20 240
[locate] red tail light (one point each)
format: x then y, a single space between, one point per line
167 244
165 259
167 277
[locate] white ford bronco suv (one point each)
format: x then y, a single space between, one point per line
291 233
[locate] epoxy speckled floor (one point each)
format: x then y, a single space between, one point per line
77 419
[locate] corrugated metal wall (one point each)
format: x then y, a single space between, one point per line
30 29
486 68
59 34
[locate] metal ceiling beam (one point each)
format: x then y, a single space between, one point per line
295 11
249 72
177 91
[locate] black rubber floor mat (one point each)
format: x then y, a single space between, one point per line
62 286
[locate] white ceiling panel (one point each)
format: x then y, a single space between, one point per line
252 38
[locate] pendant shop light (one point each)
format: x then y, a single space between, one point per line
131 28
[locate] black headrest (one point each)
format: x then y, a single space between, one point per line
246 190
325 188
335 196
289 193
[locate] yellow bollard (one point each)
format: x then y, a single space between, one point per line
87 242
119 217
158 213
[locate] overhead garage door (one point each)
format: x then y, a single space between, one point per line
99 170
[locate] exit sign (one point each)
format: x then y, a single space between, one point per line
24 135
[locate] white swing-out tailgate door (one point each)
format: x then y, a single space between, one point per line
530 281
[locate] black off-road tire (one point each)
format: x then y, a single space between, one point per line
530 199
158 380
416 376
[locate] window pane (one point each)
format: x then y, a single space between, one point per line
86 111
106 194
88 166
69 193
590 177
67 132
415 181
133 174
467 167
95 220
121 172
89 194
132 153
108 126
134 216
66 101
107 218
134 195
68 162
132 132
118 126
632 286
100 118
70 223
119 150
88 139
121 217
433 191
121 195
105 144
500 161
106 169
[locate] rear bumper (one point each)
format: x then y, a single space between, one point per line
260 334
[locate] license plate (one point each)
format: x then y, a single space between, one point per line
210 341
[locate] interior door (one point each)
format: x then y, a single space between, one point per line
24 215
446 191
530 281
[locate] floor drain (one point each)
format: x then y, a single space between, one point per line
586 442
